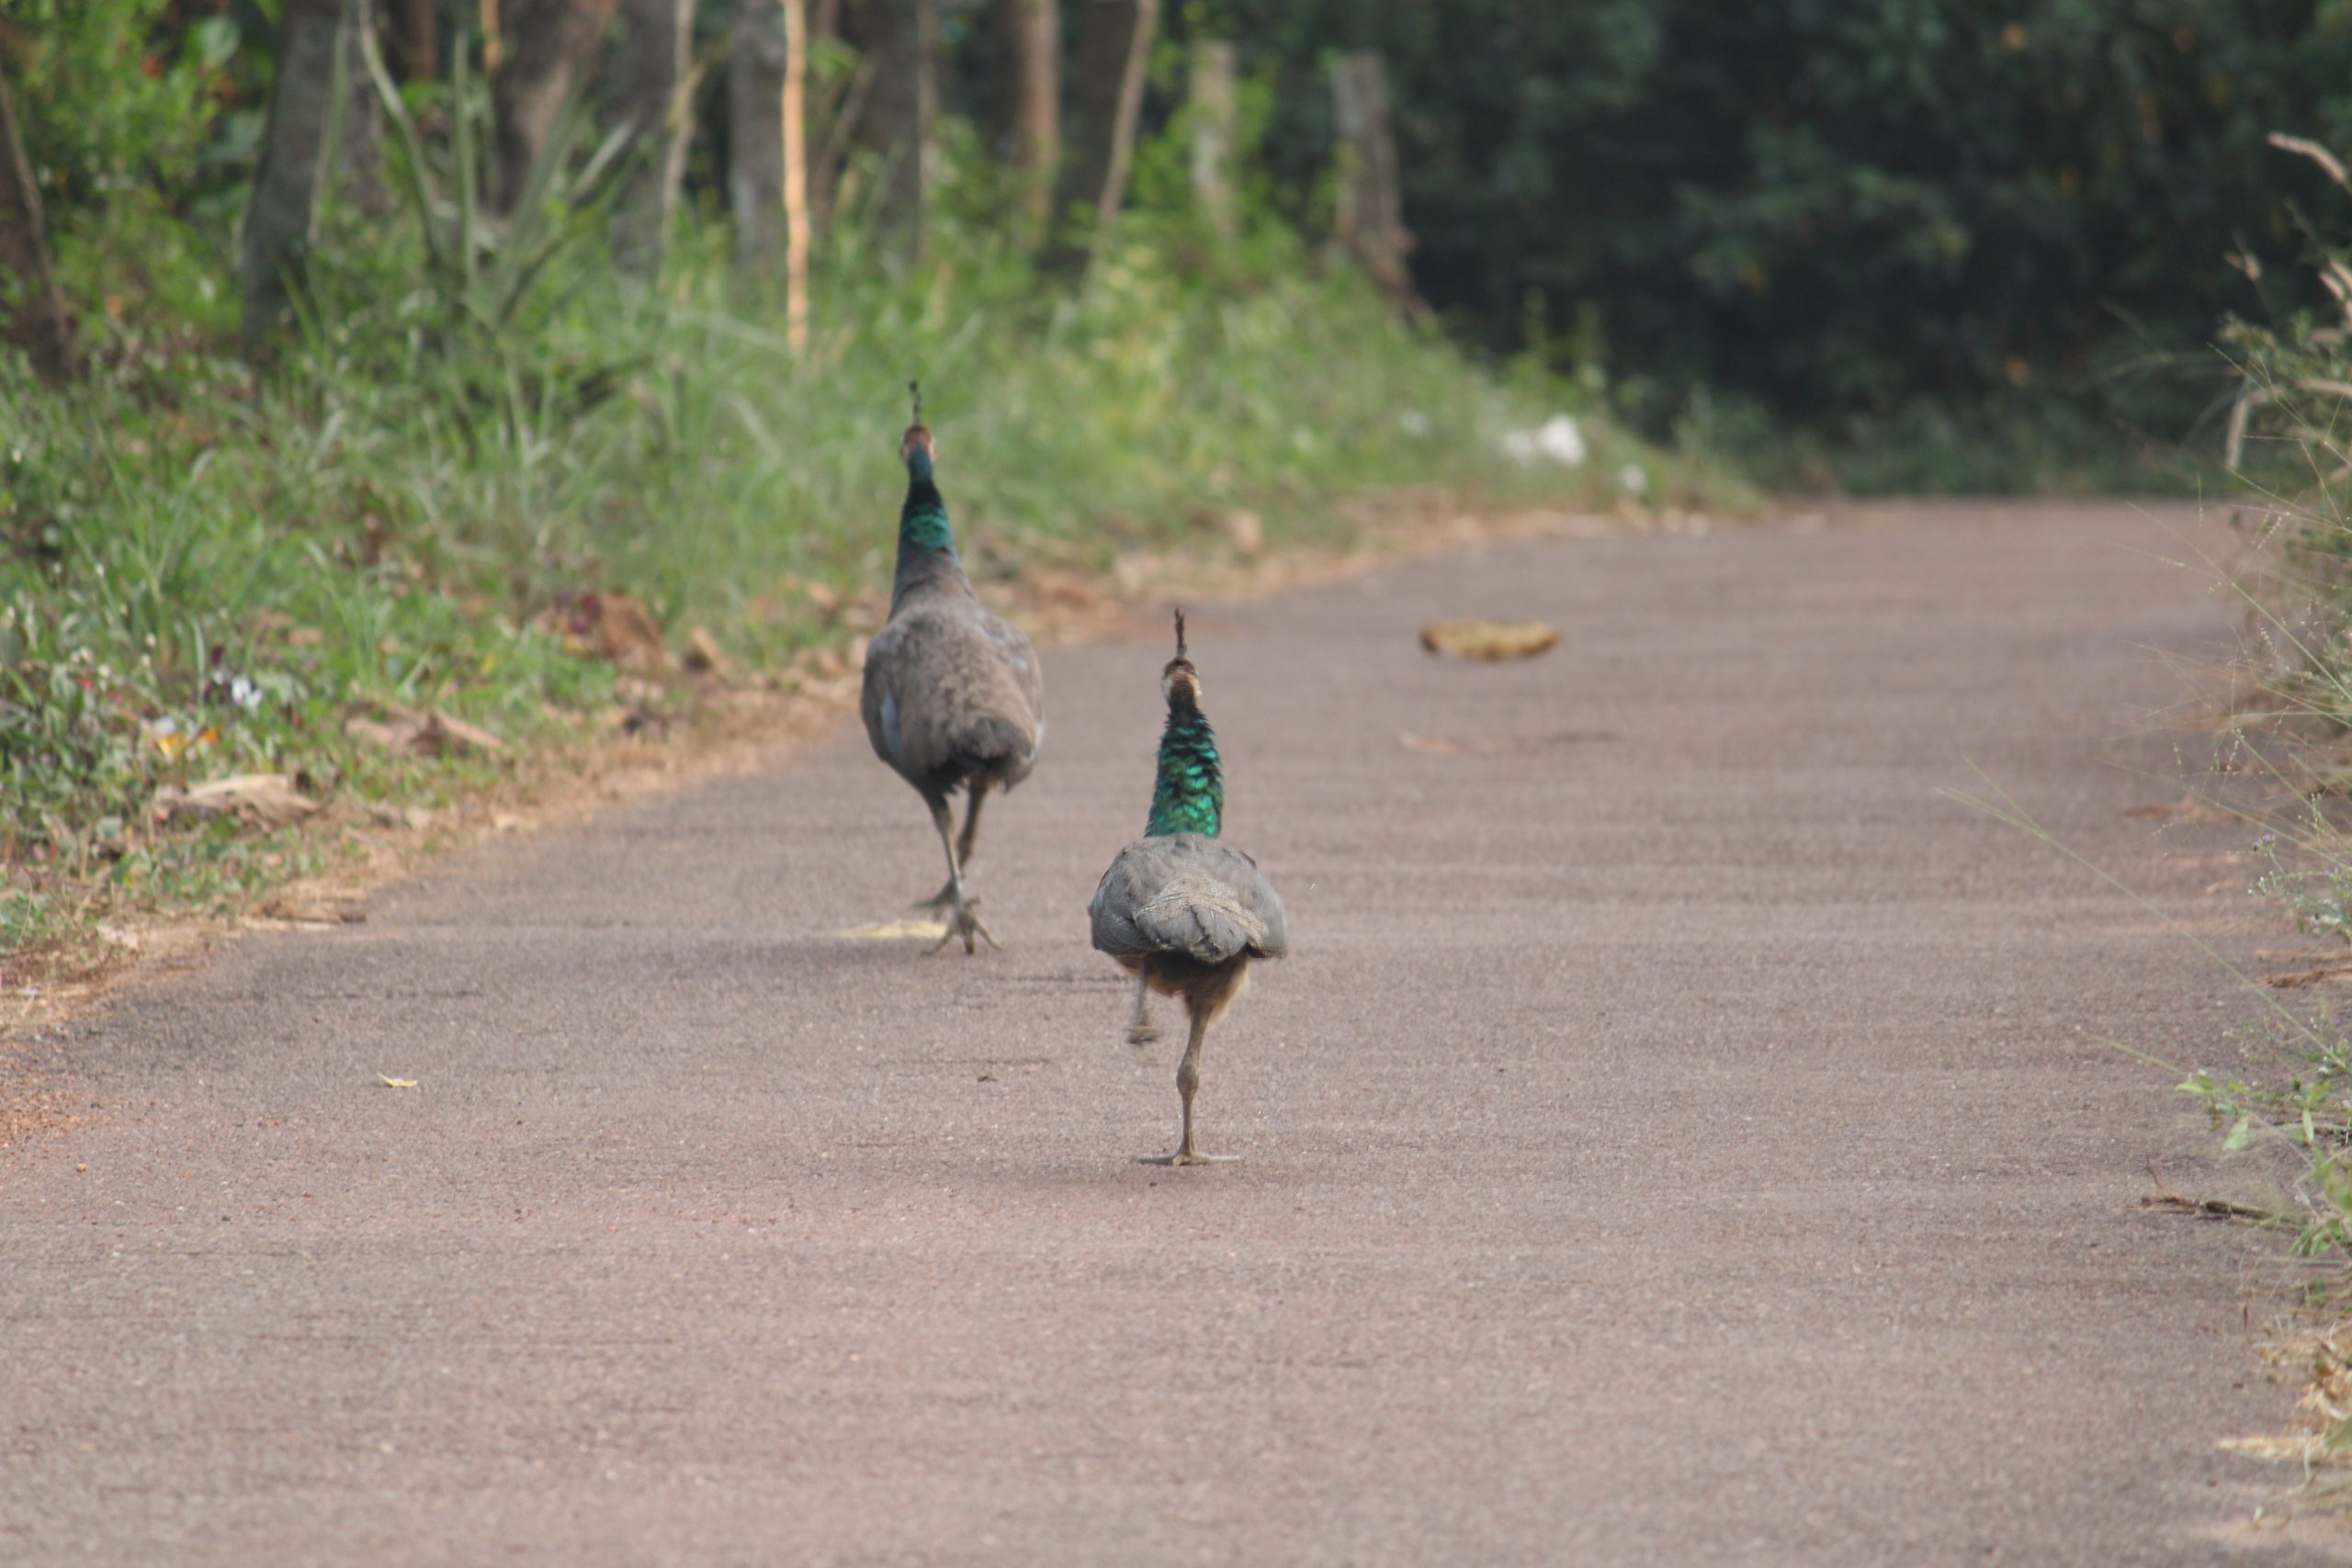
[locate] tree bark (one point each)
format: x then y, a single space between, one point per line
548 50
900 40
1029 50
1214 116
796 174
37 324
284 205
1114 39
835 102
360 167
656 45
759 50
420 48
1367 219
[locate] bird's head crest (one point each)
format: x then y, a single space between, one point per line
917 438
1179 681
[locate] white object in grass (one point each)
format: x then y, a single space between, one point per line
1556 438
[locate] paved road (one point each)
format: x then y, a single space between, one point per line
1678 1137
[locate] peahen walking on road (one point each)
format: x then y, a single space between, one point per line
1183 909
953 695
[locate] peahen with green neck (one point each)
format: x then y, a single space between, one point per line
953 695
1183 909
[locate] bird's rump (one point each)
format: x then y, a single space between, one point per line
1186 894
951 689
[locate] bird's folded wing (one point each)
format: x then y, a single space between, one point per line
942 692
1020 659
1196 897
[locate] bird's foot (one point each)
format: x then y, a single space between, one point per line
965 923
1141 1033
1188 1157
938 903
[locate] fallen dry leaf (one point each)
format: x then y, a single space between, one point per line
265 800
2298 978
1491 640
431 734
391 737
704 656
627 633
2188 808
892 930
611 626
443 733
395 1083
314 911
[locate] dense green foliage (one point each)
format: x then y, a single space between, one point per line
141 135
1879 220
1933 241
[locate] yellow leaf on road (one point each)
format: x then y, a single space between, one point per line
395 1083
893 930
1488 639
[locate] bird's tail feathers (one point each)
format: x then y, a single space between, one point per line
992 742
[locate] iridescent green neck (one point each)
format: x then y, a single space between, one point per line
922 521
1188 797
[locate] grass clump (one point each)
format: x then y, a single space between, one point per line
2287 772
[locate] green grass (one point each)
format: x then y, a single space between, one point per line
2285 755
206 573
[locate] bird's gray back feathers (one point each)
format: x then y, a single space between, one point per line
952 691
1184 893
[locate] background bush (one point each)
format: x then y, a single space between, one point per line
1888 222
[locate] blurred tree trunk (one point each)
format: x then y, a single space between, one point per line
901 41
547 50
1214 108
284 205
795 174
1113 39
649 70
420 48
1367 218
759 51
1030 78
38 323
360 167
835 102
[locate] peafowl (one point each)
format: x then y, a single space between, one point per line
1186 912
953 696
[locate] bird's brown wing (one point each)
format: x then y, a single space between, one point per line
1182 892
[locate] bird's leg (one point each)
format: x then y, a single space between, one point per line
945 898
1188 1079
965 920
976 791
1140 1029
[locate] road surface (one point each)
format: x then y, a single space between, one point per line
1679 1135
